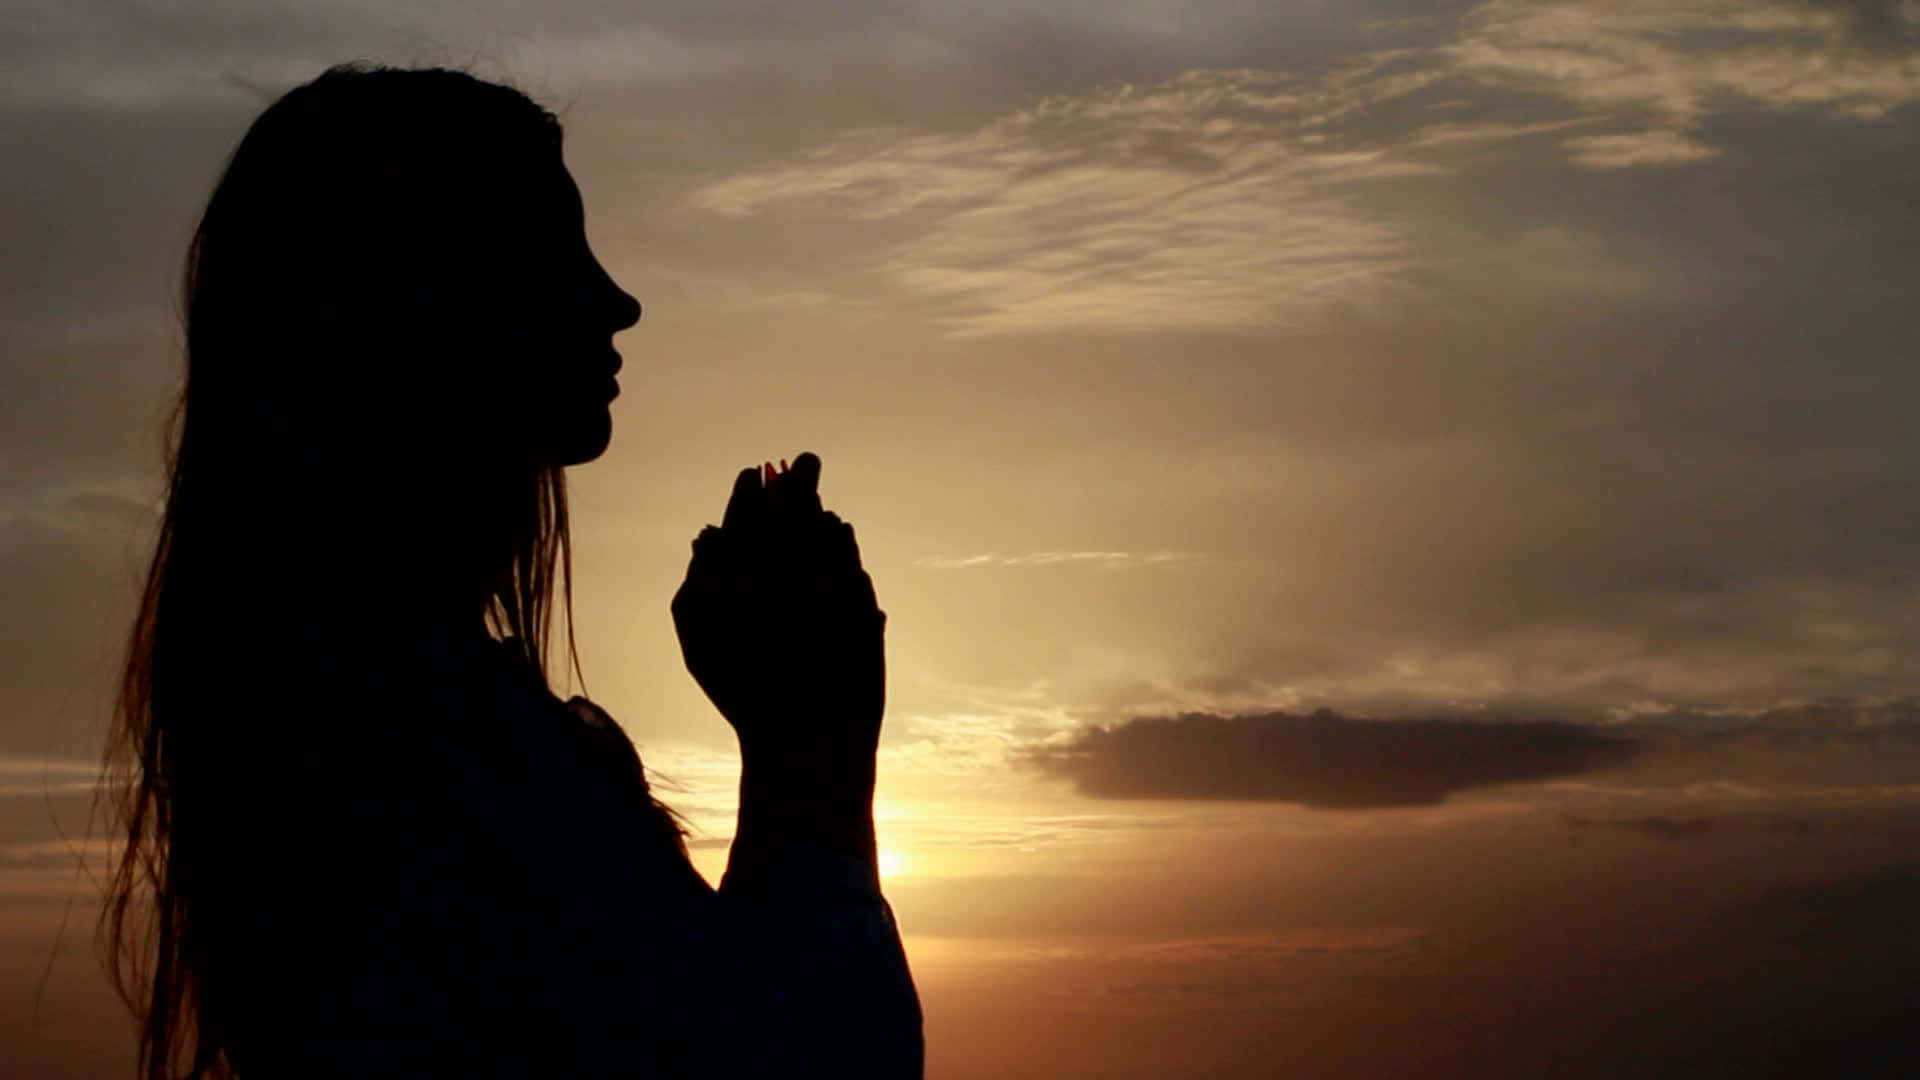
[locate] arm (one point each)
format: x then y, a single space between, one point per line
802 898
779 624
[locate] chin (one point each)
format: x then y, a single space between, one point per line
583 439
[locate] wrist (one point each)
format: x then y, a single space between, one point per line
788 789
811 761
789 801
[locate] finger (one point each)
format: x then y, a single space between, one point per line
835 553
848 544
779 485
779 480
794 493
806 470
706 545
829 544
805 478
744 504
702 569
787 502
858 602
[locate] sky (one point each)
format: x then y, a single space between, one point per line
1396 518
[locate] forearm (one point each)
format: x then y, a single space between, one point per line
793 802
802 882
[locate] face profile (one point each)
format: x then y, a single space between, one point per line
552 320
394 273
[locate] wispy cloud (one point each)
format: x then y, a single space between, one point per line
1669 67
1240 198
1655 826
1682 60
1203 201
934 825
1637 148
1278 945
66 772
1110 560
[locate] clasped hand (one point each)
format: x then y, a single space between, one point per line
779 625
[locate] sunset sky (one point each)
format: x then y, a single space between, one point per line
1399 521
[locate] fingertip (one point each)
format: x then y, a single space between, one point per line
746 488
807 465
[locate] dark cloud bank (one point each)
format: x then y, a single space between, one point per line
1323 759
1331 760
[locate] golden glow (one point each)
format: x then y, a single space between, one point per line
893 863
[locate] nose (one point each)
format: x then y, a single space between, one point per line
629 311
622 309
626 310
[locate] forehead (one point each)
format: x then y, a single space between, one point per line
544 189
530 197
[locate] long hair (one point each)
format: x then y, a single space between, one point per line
322 294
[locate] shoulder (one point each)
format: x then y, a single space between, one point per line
593 716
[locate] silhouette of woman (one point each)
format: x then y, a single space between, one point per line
363 837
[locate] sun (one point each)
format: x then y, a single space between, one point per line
893 863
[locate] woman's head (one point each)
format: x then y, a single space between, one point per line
395 261
397 338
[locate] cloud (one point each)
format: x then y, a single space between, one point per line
47 818
1106 560
1241 197
950 828
1639 148
1883 722
1683 60
1283 945
1654 826
1786 768
1202 201
1854 905
129 56
1873 25
1826 757
71 562
1323 760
